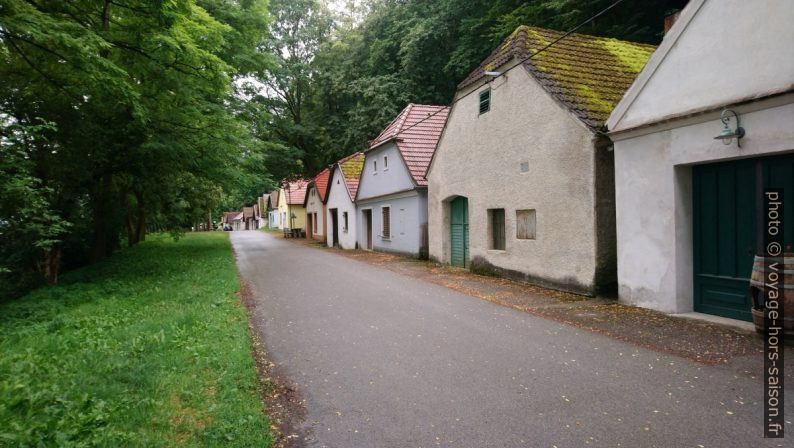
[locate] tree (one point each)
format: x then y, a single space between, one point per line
143 128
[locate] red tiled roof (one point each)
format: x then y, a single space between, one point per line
416 131
228 217
321 183
273 199
295 191
587 74
248 212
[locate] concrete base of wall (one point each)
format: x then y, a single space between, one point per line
734 323
480 265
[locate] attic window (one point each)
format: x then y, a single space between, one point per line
485 101
385 162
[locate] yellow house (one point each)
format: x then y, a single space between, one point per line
292 214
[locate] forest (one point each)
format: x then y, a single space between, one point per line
120 118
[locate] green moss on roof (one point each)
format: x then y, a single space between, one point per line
352 167
588 74
632 57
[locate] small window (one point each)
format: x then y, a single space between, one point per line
496 221
385 162
344 221
375 166
485 101
386 233
525 224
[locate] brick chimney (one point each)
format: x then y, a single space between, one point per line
669 21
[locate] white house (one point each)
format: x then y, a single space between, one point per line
273 215
316 195
340 206
521 184
261 211
391 202
687 224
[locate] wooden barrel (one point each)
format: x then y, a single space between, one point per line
758 290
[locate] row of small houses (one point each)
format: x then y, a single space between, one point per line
590 166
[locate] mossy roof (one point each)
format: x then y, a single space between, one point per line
351 167
587 74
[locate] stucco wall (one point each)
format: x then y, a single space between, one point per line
315 205
480 156
339 199
730 50
408 222
384 180
274 220
653 184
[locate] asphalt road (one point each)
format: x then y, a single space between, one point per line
385 360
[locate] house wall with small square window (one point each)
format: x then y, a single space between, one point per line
524 153
339 200
407 221
386 181
315 214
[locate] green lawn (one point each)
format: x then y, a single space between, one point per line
148 348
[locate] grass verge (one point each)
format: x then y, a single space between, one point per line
148 348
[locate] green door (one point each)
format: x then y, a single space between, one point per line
459 231
725 229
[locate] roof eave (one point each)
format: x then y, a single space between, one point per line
683 21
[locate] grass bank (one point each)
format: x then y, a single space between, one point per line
148 348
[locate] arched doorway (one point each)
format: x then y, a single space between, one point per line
459 232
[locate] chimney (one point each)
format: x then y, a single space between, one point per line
669 20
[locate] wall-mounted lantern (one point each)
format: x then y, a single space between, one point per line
727 135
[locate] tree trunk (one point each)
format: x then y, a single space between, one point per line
140 224
100 246
50 264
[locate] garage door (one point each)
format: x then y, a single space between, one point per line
725 229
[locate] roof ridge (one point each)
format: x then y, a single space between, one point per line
405 114
585 74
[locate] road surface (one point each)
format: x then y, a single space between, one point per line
385 360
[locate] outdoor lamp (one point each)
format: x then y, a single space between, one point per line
727 135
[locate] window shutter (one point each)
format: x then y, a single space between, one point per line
386 222
525 224
485 101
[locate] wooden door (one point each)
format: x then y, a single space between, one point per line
334 228
726 198
368 228
459 232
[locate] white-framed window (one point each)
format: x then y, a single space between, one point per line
386 222
385 163
375 166
344 222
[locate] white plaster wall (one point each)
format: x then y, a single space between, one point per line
408 220
339 198
653 178
384 180
315 205
731 49
274 219
479 157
